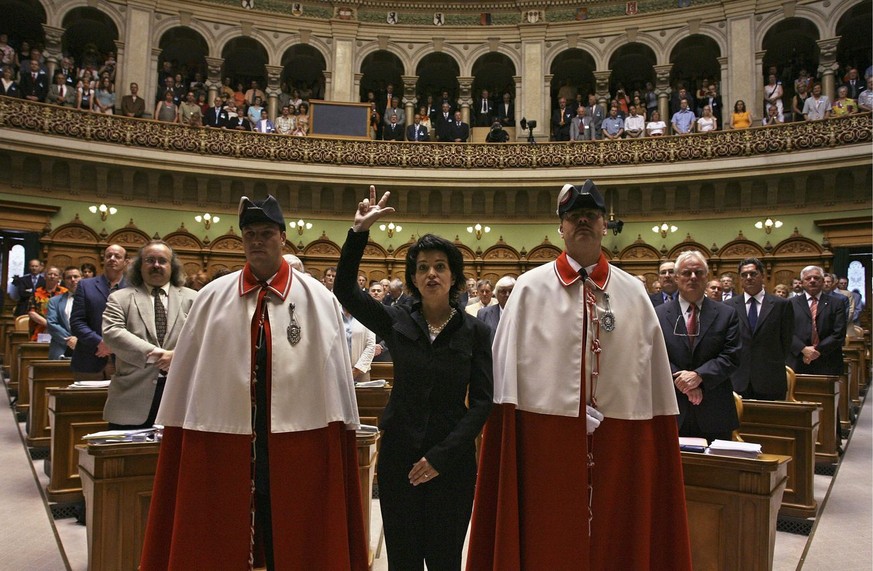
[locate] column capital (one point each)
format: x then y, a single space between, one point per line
828 47
156 52
119 47
722 61
53 37
465 88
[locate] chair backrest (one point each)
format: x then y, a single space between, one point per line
791 379
22 323
738 402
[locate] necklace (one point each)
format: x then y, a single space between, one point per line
436 330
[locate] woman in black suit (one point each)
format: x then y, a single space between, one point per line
442 361
8 86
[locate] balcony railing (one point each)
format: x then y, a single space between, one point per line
25 115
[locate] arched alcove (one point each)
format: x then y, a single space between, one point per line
25 23
632 66
790 46
856 38
494 71
303 69
378 70
437 72
89 35
244 61
186 50
694 60
572 72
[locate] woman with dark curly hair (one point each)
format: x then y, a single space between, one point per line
442 362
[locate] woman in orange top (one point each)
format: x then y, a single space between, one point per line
740 118
40 299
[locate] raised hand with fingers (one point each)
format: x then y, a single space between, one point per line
369 211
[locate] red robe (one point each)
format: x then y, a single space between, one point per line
531 509
200 515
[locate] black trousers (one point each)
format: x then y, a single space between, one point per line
425 523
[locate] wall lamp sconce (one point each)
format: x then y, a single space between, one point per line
478 230
664 229
768 225
207 219
105 211
301 226
390 228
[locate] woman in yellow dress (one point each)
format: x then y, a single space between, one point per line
740 118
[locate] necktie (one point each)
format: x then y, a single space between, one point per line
484 106
34 76
160 316
691 324
753 313
667 297
813 309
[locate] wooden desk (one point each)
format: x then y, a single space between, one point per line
824 390
44 375
73 413
853 359
117 481
787 429
7 324
27 354
372 401
859 347
379 371
16 338
732 506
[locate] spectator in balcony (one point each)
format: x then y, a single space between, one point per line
104 97
701 94
417 131
60 93
8 85
865 100
561 119
393 131
109 66
24 55
581 128
254 93
497 134
254 110
375 121
133 105
460 131
295 100
226 90
656 127
189 111
803 79
165 72
239 96
216 116
706 122
799 99
69 70
484 110
613 126
167 111
623 101
506 111
818 106
167 85
34 83
651 99
197 85
237 121
678 96
740 118
424 117
394 110
8 57
772 117
264 125
843 104
683 120
286 122
713 99
773 95
634 124
302 128
445 122
202 104
854 85
84 96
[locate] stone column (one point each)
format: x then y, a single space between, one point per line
465 98
328 87
663 90
724 85
140 57
533 98
53 53
346 84
517 79
274 79
756 105
827 65
545 122
743 73
213 78
410 97
601 87
119 70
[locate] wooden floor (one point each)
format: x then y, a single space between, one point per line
840 539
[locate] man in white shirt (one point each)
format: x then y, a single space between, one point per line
818 106
634 124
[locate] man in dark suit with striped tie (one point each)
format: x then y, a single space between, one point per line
819 327
766 332
669 289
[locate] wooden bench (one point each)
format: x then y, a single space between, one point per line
371 403
27 353
787 429
73 413
15 339
825 391
117 482
380 371
732 508
44 375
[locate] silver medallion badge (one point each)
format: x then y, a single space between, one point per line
293 327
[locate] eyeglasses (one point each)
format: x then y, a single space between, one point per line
685 332
689 273
574 216
667 272
749 275
156 261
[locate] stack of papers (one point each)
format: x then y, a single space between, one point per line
368 429
115 436
737 449
90 385
371 384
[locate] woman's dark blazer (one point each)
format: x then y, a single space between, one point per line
427 409
13 91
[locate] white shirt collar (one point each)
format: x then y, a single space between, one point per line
759 297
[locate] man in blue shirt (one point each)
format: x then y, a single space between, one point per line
613 126
683 120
